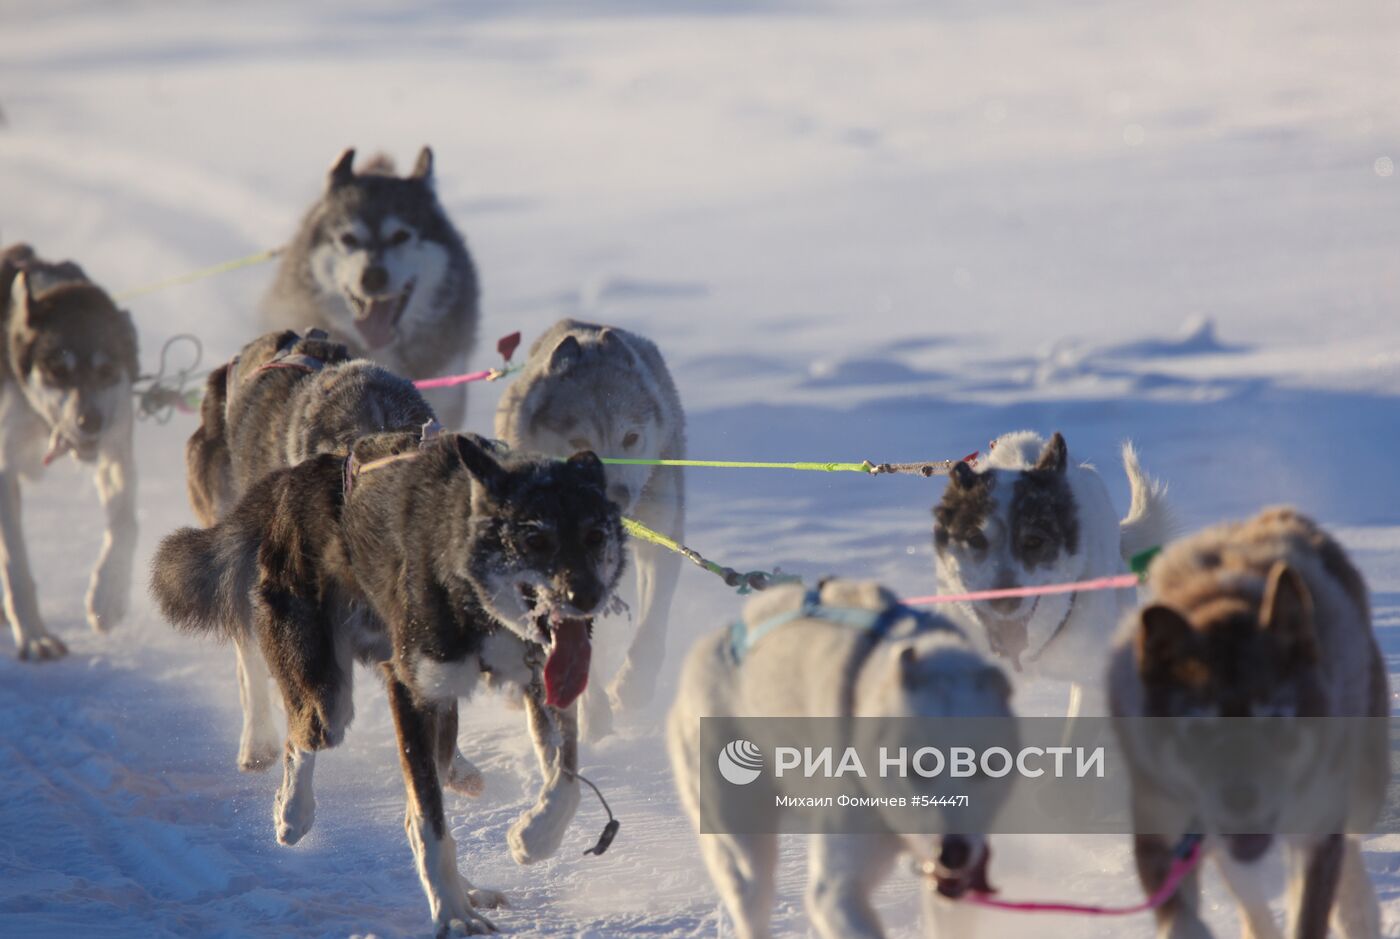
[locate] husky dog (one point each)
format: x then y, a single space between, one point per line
1027 517
378 264
65 387
282 399
1261 618
812 666
604 389
448 562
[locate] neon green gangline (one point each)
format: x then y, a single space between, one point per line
744 581
931 468
200 274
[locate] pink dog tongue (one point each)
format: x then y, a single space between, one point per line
377 325
566 669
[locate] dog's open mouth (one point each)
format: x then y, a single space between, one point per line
377 318
568 643
84 448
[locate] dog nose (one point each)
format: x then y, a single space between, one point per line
620 494
955 854
582 595
90 422
1005 605
375 278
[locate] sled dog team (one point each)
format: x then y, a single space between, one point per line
345 520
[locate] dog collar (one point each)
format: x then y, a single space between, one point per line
353 468
1057 631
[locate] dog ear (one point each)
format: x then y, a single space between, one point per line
1287 611
1055 456
476 455
1165 640
565 355
20 306
587 464
423 168
962 475
343 170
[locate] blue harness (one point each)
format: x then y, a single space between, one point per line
876 624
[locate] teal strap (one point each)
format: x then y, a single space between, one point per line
877 623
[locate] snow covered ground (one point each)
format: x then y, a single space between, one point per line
872 230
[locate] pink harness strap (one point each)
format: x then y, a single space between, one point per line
1117 582
1186 857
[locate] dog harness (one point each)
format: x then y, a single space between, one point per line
875 627
354 468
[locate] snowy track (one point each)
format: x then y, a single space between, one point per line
856 233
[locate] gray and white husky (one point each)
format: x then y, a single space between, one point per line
813 666
449 563
378 265
600 388
68 363
285 398
1030 516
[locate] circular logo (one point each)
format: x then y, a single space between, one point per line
740 762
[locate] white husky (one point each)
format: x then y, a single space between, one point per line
605 389
1029 516
813 665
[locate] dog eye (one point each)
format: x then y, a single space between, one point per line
595 537
349 241
1032 543
58 370
580 443
630 440
398 237
539 542
977 541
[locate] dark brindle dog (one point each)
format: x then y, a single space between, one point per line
449 562
285 398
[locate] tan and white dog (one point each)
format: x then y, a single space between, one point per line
66 371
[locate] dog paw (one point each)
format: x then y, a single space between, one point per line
464 777
257 757
293 816
41 648
470 924
107 601
537 834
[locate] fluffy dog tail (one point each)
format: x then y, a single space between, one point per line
201 577
1150 522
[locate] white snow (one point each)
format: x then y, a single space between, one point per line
858 230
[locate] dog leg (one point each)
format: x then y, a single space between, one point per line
595 711
1246 883
457 772
1356 914
658 570
843 871
109 592
32 639
1313 886
434 851
257 746
1178 917
742 868
537 834
294 809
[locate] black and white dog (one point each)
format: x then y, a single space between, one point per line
68 362
450 564
1030 516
